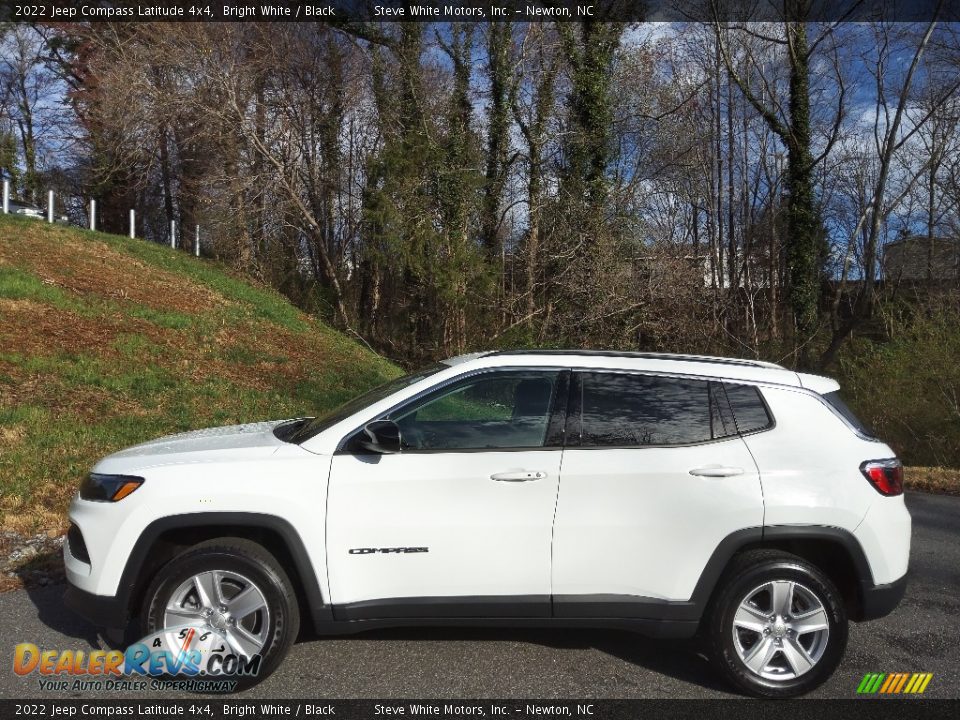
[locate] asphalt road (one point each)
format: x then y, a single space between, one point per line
920 636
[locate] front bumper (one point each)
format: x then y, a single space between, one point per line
880 600
104 611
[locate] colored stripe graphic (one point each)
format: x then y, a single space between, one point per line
903 680
894 683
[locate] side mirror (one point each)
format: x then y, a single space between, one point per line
381 437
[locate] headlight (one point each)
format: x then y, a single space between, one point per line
108 488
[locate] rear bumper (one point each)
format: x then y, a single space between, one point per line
104 611
881 600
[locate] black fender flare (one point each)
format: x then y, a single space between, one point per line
742 539
319 610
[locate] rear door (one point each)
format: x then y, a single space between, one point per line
654 477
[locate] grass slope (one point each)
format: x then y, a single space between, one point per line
107 341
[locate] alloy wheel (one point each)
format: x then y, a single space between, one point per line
780 630
226 602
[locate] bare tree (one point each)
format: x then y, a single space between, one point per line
895 125
793 126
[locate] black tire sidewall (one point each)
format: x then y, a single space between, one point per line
721 629
272 581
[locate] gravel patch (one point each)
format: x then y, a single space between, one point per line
30 560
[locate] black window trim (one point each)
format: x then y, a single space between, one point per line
862 432
575 412
766 406
718 398
555 422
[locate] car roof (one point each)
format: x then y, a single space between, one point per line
642 356
744 369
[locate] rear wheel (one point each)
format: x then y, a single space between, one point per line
235 590
778 626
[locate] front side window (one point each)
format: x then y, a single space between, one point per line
624 410
500 410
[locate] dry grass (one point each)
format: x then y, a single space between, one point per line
106 341
80 263
937 480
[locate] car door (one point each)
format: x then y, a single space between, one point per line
458 523
654 477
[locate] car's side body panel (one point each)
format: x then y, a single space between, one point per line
635 522
810 464
438 524
810 470
884 535
287 483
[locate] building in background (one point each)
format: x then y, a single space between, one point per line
922 259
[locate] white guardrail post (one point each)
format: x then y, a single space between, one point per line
93 214
173 234
50 206
133 222
196 243
6 196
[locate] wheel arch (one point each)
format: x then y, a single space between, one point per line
166 537
834 550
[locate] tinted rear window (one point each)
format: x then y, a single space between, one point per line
748 408
622 410
841 407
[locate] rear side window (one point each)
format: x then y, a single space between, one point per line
624 410
837 403
749 410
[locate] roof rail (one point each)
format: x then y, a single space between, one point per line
644 356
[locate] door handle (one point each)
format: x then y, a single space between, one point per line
519 476
716 471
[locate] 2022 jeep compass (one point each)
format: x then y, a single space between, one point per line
677 496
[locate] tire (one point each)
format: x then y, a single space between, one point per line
779 658
235 566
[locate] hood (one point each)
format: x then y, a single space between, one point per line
233 442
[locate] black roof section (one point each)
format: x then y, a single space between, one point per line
641 356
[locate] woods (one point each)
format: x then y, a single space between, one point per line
435 188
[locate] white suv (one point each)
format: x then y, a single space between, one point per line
677 496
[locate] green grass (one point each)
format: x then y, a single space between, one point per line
115 341
260 302
17 284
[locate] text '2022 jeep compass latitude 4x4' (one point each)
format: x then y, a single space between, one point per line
671 495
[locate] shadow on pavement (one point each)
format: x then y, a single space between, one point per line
677 659
48 600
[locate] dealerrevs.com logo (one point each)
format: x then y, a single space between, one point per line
183 658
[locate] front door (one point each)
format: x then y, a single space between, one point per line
458 523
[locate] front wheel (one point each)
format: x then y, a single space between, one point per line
778 626
230 589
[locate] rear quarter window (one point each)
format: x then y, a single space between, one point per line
749 410
837 403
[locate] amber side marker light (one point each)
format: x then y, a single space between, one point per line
108 488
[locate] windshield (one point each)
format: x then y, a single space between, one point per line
322 422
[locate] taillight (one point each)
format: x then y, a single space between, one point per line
885 475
